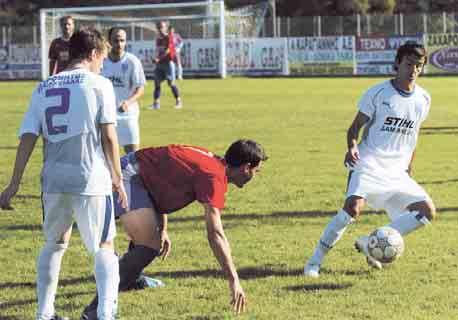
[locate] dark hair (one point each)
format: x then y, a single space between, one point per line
245 151
158 24
65 18
410 48
84 41
113 30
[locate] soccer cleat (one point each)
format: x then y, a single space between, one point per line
89 313
178 104
312 270
361 246
144 282
155 106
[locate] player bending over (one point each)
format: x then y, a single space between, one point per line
163 180
381 164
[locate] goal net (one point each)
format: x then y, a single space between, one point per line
200 24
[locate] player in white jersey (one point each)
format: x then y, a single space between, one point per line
381 164
126 73
75 113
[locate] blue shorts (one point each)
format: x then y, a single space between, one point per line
165 71
137 195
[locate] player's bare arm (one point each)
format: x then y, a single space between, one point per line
358 123
222 251
111 151
25 149
166 243
137 94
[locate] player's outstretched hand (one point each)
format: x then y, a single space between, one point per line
6 195
239 300
166 245
351 157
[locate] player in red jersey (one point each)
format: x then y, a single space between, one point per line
163 180
165 66
59 50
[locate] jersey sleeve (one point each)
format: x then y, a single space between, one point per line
138 75
52 54
209 189
427 107
367 104
107 103
31 122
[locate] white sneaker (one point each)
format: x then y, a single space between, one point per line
361 246
312 270
178 104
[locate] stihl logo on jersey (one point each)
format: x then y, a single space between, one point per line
117 81
399 122
398 125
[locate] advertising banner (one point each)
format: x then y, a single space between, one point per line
321 55
375 55
20 62
443 53
257 57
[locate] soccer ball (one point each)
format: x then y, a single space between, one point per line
385 244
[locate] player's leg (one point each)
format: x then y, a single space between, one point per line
333 232
128 132
159 76
410 208
179 66
57 229
170 74
96 223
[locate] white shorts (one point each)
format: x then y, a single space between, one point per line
128 131
94 216
382 192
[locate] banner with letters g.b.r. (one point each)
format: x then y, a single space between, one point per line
443 53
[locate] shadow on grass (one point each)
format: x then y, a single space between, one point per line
439 181
62 283
246 273
8 147
23 227
19 303
319 287
439 130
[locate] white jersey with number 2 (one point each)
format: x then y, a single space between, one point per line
390 137
67 110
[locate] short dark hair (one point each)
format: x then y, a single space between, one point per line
113 30
410 48
84 41
65 18
245 151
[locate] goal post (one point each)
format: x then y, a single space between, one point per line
203 22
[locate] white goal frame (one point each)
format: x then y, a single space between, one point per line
63 11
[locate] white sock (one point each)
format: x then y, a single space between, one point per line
409 221
107 280
331 234
48 266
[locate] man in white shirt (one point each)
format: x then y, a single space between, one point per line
381 164
75 113
126 73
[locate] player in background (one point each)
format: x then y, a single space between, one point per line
391 114
75 112
163 180
128 78
59 56
165 67
178 42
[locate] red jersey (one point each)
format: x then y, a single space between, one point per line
59 50
177 175
162 45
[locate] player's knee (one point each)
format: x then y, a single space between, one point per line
353 206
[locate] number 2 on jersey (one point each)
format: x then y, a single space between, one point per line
62 108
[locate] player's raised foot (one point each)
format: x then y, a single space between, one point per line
312 270
144 282
361 246
155 106
178 104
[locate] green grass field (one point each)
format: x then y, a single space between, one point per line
272 224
